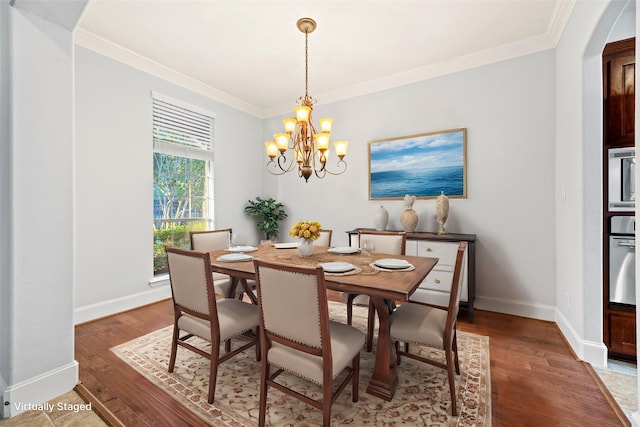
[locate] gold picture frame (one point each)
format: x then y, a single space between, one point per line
422 165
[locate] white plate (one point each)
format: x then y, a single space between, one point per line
337 267
289 245
242 249
344 250
393 263
235 257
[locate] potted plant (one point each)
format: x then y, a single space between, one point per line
269 212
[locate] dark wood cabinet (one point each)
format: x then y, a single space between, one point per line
618 79
618 69
622 333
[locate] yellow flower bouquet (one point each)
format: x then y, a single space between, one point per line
306 230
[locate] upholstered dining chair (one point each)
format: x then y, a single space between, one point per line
388 242
214 240
435 327
197 312
324 239
300 339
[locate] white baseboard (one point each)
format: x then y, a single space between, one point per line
27 395
591 352
118 305
517 308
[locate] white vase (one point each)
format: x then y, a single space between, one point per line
442 211
409 218
381 218
305 248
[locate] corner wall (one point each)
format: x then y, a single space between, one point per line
579 160
37 339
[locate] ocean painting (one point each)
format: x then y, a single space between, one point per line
421 165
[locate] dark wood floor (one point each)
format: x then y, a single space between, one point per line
535 378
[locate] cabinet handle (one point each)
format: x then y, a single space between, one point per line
428 250
436 281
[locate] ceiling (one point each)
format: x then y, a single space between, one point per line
250 54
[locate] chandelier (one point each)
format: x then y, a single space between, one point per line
309 148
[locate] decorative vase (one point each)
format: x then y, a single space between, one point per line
305 248
409 218
381 218
442 211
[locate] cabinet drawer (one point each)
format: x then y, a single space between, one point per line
428 296
445 251
438 280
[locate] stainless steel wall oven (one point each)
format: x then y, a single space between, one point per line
622 260
622 177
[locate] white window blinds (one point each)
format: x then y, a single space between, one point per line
181 129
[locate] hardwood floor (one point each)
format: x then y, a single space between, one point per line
535 378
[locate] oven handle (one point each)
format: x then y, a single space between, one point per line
627 244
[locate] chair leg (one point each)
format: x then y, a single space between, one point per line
264 374
452 381
257 332
174 347
455 352
397 346
350 299
371 320
327 392
355 379
213 370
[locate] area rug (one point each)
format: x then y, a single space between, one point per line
422 396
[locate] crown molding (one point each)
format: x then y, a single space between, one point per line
549 40
119 53
461 63
559 19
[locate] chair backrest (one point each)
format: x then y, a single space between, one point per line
191 282
454 296
210 240
388 242
324 239
292 302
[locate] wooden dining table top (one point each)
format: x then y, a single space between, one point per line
365 279
381 287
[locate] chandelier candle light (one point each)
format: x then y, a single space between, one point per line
310 148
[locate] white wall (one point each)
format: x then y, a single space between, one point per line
509 112
114 181
579 168
5 205
39 210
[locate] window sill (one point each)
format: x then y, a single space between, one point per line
160 280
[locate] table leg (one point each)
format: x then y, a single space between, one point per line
385 378
235 281
249 291
231 292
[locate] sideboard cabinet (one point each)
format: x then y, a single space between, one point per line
435 288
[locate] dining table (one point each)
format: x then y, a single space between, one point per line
382 285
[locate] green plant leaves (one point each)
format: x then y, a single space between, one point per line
269 211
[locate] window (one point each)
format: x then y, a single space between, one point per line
182 174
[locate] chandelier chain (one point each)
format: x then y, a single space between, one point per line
306 65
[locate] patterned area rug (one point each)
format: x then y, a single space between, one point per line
422 396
